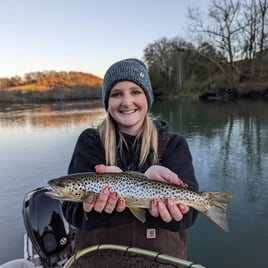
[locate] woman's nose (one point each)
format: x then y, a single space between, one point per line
127 100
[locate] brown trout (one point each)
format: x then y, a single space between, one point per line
138 192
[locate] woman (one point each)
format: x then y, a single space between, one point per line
128 139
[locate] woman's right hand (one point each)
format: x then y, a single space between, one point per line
105 201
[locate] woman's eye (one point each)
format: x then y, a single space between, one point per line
136 92
116 94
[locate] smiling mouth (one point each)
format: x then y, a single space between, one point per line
128 111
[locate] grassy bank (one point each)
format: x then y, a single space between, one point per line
31 94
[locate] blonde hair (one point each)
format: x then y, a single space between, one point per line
148 136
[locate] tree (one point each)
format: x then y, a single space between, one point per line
213 60
166 60
158 55
222 28
255 13
4 83
263 10
15 80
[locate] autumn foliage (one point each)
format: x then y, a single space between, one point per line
51 79
50 85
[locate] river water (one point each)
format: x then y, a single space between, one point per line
229 145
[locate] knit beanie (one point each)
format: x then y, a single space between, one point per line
131 70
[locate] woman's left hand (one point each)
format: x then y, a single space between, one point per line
160 173
168 211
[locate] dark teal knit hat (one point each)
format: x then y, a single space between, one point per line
131 70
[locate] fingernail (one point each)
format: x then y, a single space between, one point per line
181 206
170 202
106 190
160 205
114 195
121 201
91 198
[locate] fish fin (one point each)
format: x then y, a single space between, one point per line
133 172
217 208
136 174
85 216
138 213
185 186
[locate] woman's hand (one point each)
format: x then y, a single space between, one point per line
106 201
106 169
160 173
168 211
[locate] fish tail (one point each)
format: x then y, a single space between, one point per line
216 210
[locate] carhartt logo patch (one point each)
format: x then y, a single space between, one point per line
151 234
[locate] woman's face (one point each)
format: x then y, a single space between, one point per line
127 104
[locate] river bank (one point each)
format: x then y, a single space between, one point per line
8 98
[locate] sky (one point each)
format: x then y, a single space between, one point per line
85 35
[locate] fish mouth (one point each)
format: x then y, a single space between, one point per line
55 193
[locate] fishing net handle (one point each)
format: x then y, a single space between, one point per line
139 251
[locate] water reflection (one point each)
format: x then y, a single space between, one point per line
45 115
229 144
